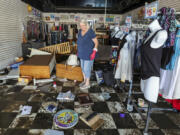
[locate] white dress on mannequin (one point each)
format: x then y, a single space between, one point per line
150 86
124 65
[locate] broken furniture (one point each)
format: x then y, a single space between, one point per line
38 66
69 72
63 48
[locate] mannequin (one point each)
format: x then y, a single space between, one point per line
115 36
150 85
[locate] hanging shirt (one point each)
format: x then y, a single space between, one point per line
176 49
85 44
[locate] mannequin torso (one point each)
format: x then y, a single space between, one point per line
150 86
161 36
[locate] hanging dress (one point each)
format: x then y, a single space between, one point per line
170 79
124 65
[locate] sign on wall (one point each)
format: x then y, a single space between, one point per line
151 10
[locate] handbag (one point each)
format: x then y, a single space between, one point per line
72 60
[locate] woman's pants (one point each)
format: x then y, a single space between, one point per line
86 66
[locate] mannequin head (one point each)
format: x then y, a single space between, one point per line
116 29
154 26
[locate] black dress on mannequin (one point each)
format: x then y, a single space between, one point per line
150 59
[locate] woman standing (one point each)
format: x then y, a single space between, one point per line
87 47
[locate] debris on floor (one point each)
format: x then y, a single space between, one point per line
25 110
105 96
66 119
84 99
92 119
24 80
35 81
53 132
62 79
49 107
140 102
66 97
99 76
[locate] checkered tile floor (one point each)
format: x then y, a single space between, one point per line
11 123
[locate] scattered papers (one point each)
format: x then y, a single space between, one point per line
105 96
68 96
30 87
25 110
53 132
62 80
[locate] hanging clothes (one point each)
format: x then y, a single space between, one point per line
167 54
137 55
124 65
167 21
169 82
176 49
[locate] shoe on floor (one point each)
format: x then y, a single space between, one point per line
81 84
85 87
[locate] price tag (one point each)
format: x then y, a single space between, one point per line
151 10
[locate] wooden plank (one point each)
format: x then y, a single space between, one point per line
35 71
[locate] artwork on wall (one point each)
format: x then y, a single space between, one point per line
117 19
128 21
64 17
47 18
88 16
77 18
57 18
101 19
52 16
110 18
71 16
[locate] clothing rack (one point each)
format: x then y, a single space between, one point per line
138 29
149 109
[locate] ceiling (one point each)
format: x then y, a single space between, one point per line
86 6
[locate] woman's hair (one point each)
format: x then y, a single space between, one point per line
84 21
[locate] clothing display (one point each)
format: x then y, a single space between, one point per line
115 36
115 64
36 30
151 52
51 34
167 21
169 84
126 57
176 49
151 59
137 55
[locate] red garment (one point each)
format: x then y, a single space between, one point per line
175 103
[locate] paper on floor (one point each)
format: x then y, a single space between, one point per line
53 132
